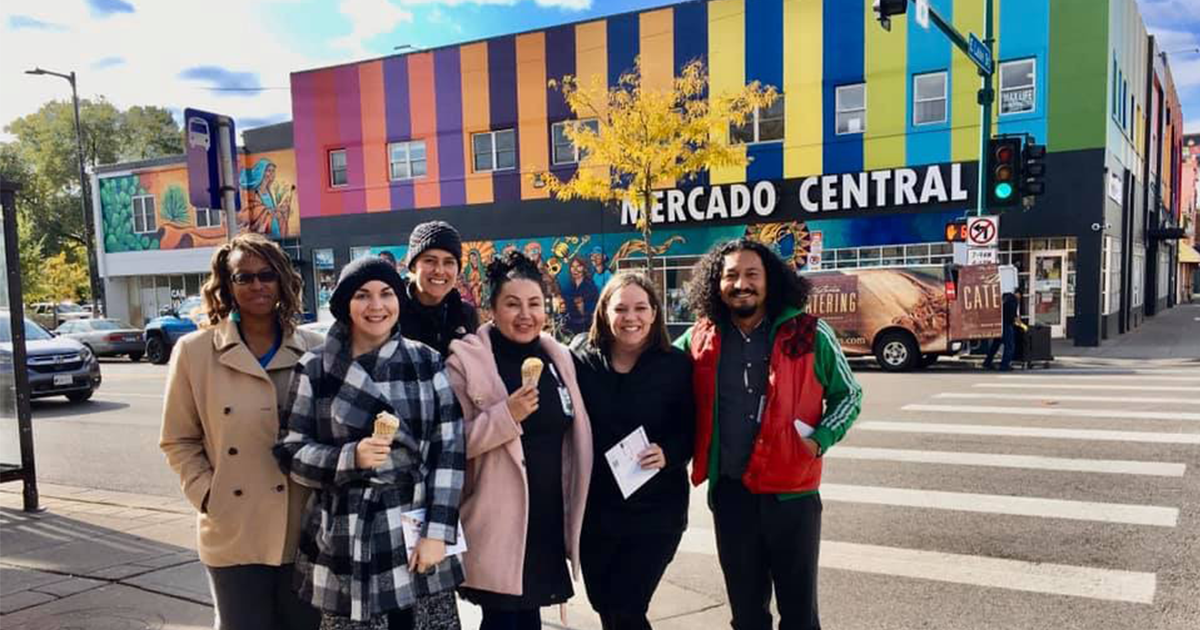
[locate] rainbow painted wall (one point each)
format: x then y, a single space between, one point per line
805 47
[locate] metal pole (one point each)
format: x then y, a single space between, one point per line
16 321
98 305
986 96
228 186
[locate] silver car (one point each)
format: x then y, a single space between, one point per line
105 337
57 367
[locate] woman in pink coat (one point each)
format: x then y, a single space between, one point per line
529 455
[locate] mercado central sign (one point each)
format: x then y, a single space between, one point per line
897 189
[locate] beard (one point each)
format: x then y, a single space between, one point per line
745 309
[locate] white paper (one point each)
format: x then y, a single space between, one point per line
803 429
623 461
411 524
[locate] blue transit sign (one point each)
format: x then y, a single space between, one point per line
980 54
202 145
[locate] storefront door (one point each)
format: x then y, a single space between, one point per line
1047 302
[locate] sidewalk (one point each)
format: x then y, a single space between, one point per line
100 559
1171 336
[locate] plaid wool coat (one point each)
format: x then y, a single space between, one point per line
352 560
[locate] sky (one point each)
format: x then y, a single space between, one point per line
234 56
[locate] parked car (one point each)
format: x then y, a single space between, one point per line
172 323
106 337
50 314
57 366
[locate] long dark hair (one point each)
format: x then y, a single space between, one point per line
601 335
513 265
218 289
785 287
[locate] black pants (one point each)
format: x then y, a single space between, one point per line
258 597
622 572
511 620
761 541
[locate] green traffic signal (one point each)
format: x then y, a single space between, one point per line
1003 190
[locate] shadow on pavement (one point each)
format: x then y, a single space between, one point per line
46 408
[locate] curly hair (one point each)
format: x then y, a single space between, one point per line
218 289
600 335
512 265
785 287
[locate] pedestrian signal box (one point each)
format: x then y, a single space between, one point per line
956 231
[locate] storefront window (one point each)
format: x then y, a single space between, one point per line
325 277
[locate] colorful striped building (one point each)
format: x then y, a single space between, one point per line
456 133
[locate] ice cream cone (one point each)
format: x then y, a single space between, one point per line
531 371
386 425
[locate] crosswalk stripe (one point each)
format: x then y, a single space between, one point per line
1003 504
1139 388
1115 466
1019 575
1146 437
1120 399
1099 377
1058 411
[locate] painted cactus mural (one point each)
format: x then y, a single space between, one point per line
116 203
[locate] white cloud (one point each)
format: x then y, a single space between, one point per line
570 5
1166 12
368 19
157 45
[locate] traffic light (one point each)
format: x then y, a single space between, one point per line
1003 172
1033 170
885 9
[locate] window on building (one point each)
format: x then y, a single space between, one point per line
929 98
337 168
406 160
851 105
143 215
1116 83
1018 86
565 151
208 217
764 125
360 252
494 150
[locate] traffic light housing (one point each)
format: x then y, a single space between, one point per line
1003 172
885 9
1033 170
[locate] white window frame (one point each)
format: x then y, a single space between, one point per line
333 170
1032 61
494 153
755 124
149 221
944 98
576 152
407 162
211 217
838 111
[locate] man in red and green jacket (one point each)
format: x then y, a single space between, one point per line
773 393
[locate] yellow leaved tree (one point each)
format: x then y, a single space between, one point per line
645 138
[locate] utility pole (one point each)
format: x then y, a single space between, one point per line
98 305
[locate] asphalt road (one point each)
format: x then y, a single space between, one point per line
1061 498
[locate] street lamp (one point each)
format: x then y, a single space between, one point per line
93 269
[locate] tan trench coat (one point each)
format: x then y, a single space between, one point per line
220 421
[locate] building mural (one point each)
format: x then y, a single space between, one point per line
149 208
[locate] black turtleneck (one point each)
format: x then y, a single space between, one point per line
436 326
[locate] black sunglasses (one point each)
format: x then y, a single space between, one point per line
263 277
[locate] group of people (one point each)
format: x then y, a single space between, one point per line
306 510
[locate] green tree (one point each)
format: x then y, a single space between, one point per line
45 156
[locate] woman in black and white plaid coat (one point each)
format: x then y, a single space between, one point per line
352 563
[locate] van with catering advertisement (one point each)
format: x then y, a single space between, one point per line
907 317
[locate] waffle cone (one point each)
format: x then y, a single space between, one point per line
386 425
531 371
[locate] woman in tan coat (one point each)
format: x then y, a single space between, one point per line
225 387
529 454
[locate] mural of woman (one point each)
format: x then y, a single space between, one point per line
264 213
580 295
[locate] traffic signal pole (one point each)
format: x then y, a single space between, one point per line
986 93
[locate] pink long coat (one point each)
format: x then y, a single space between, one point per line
495 498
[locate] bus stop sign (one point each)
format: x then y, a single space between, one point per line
202 145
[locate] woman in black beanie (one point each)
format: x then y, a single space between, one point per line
348 566
431 309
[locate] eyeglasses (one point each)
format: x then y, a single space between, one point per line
264 277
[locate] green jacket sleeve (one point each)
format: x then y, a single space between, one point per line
843 394
684 341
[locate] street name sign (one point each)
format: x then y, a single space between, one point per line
980 54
